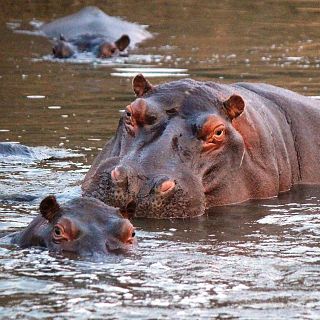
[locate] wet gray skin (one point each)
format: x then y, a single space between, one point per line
82 226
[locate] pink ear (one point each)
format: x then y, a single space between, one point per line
234 106
49 208
141 85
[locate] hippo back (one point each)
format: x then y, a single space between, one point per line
92 20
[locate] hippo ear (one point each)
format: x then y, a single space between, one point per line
62 38
141 85
49 208
234 106
122 42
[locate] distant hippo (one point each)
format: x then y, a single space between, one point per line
96 44
91 30
82 226
186 146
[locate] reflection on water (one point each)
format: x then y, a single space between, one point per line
242 261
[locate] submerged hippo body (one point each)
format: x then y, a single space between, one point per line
8 149
185 146
91 29
82 226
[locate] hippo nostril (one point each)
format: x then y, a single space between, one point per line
166 186
119 175
115 174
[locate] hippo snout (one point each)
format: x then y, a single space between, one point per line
117 186
140 195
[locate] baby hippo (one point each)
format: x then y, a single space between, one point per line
90 43
83 226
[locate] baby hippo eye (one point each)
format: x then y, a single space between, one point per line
57 231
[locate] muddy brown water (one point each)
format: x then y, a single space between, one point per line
250 261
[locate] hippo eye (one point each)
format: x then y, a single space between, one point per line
219 132
57 231
58 234
133 234
128 114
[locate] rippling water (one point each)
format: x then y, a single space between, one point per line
255 260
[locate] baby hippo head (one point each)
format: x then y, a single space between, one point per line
63 49
108 49
82 226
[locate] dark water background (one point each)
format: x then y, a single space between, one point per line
252 261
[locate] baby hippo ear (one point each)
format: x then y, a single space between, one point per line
49 208
141 85
234 106
122 42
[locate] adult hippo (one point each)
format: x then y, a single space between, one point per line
91 29
82 226
185 146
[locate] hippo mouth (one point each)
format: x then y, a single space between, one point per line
129 211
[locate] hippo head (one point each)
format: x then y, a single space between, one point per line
175 149
82 226
63 49
108 49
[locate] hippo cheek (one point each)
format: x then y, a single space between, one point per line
72 247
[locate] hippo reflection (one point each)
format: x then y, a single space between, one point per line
186 145
91 30
81 226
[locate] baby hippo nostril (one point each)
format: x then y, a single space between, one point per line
119 175
166 186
